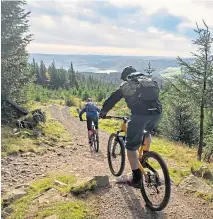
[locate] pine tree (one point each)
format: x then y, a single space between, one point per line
197 77
63 78
100 96
179 117
42 74
14 39
149 70
72 77
35 71
54 83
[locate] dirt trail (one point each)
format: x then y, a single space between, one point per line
114 202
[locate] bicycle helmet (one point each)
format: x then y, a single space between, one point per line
127 71
89 99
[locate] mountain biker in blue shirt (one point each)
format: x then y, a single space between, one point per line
91 111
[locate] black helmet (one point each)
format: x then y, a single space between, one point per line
127 71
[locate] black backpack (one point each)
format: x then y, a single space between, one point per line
146 95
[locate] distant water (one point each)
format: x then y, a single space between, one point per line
106 71
86 68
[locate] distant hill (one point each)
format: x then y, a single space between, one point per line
170 72
107 64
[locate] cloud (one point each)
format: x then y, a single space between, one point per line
164 20
127 27
47 21
110 11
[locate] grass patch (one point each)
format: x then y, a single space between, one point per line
52 130
21 206
35 105
67 210
72 209
83 187
42 185
178 175
110 125
204 171
206 197
73 112
12 144
180 159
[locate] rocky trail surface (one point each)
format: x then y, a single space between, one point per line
113 201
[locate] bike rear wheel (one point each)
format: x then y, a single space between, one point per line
96 142
153 181
116 150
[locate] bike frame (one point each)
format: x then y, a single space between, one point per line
93 128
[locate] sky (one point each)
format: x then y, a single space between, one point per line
117 27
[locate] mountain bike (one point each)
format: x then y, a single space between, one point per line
94 139
152 173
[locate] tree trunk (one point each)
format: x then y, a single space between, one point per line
200 148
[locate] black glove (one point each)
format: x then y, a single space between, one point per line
102 115
81 119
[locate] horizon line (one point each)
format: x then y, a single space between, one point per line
89 54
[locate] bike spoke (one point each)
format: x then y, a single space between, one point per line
154 186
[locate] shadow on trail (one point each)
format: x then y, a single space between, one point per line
94 155
134 204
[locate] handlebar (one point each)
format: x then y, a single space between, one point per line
118 117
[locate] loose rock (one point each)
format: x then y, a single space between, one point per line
22 186
195 184
3 172
59 183
83 185
14 195
51 195
102 181
4 214
14 180
8 210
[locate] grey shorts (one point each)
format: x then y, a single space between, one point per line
136 126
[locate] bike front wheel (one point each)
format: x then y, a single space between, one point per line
156 185
116 154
